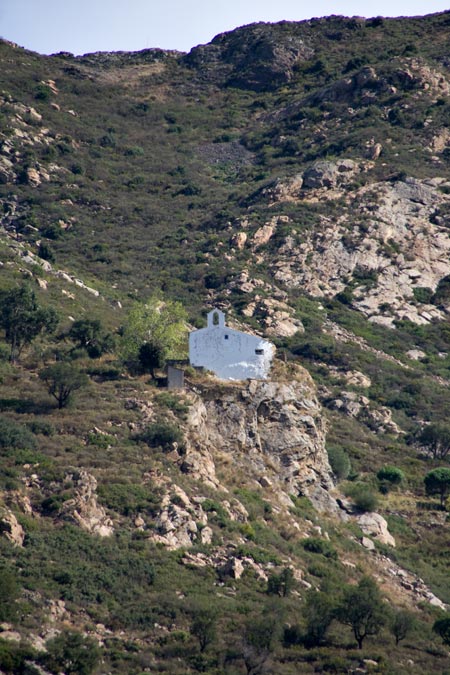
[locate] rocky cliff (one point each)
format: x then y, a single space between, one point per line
271 433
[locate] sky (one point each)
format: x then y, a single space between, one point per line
82 26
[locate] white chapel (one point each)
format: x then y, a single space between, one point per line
230 354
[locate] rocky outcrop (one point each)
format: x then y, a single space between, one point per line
398 246
376 526
83 509
329 174
181 521
358 406
10 527
228 563
262 429
275 316
258 57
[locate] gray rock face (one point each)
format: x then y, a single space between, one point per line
84 510
258 57
265 428
375 526
10 527
177 524
356 405
328 174
400 245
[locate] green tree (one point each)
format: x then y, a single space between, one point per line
362 609
152 356
9 592
258 642
389 476
318 612
23 319
203 627
89 334
162 323
62 380
400 624
281 584
437 482
436 438
339 462
72 653
442 628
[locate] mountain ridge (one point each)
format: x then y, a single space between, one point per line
296 176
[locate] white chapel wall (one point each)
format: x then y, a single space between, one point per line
228 353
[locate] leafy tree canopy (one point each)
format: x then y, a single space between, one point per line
73 653
319 613
89 334
23 319
159 322
442 628
62 380
151 356
437 482
401 623
362 609
436 437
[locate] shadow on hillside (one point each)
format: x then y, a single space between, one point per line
21 405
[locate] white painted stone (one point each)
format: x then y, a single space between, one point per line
230 354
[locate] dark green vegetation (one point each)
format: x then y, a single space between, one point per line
134 173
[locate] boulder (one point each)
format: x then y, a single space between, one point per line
33 177
177 524
368 543
10 527
238 240
375 526
262 236
233 568
325 174
83 508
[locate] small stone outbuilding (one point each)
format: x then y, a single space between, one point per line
230 354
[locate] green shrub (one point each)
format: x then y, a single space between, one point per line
322 546
388 477
128 499
42 92
102 441
43 427
423 294
172 402
73 653
216 511
339 462
162 434
14 435
9 592
16 659
362 495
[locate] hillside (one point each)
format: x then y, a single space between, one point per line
297 176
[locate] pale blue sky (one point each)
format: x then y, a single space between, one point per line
81 26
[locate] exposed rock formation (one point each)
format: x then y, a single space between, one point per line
257 57
399 245
358 406
10 527
272 429
375 526
181 521
83 508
